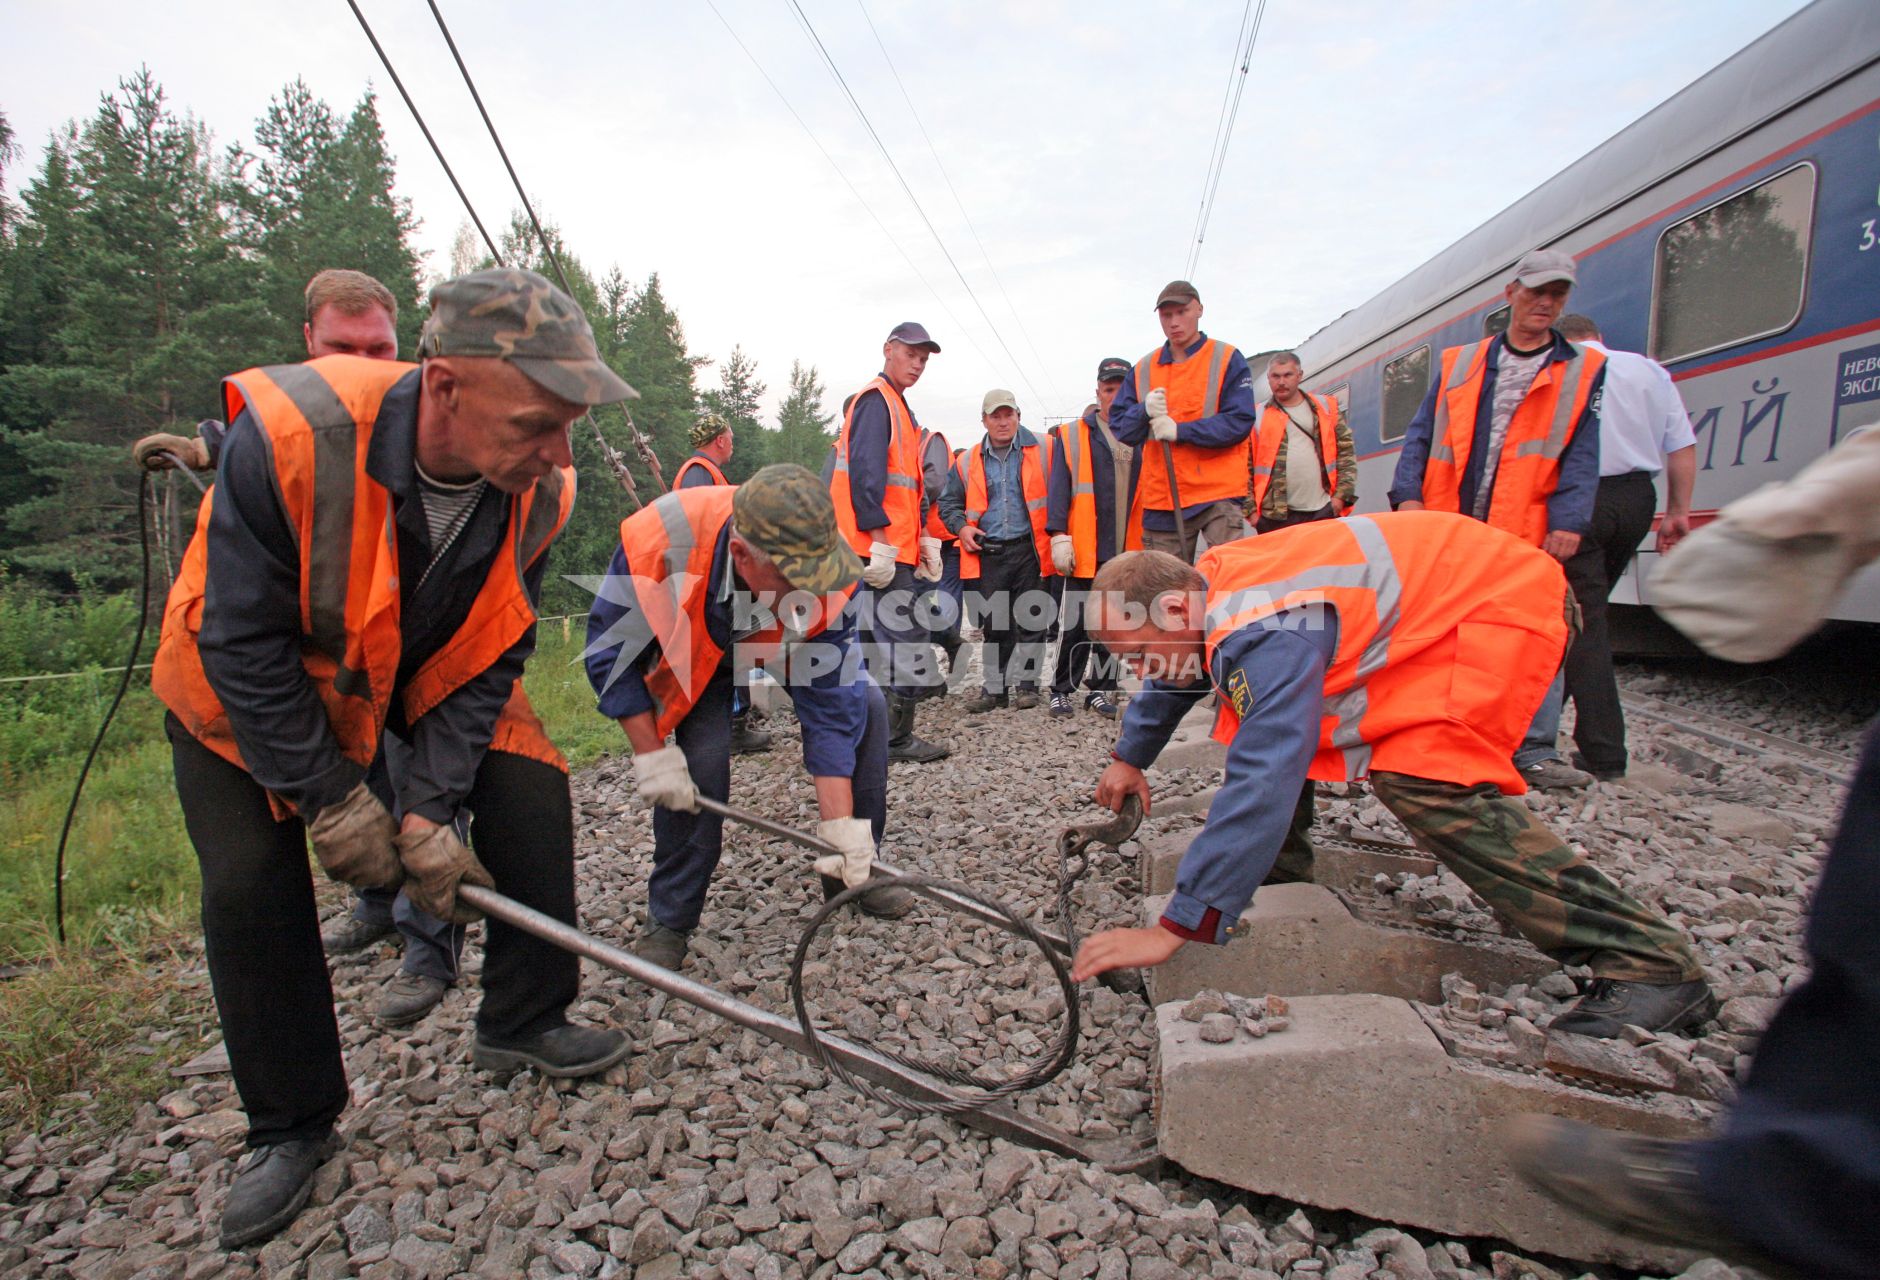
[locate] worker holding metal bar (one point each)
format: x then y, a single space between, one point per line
715 580
322 605
1410 649
1189 407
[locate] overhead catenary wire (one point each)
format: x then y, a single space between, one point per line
1224 129
829 62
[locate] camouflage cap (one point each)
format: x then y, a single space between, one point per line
785 512
518 316
707 429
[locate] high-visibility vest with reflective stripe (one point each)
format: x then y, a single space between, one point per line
934 526
668 547
317 419
1538 433
1272 429
1081 522
698 460
1032 478
900 499
1449 633
1193 388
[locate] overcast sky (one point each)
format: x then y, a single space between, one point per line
1077 135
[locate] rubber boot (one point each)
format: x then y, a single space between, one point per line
746 740
902 744
889 902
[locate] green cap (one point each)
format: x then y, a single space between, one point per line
785 512
518 316
707 429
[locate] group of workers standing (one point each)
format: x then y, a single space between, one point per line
342 651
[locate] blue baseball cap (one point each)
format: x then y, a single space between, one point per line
910 334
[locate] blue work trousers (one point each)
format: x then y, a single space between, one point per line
895 639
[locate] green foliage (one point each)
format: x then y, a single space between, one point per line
738 400
804 428
558 689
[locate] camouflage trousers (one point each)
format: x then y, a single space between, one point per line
1552 896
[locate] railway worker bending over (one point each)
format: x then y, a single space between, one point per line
322 605
1304 465
1509 434
696 591
1410 648
1189 407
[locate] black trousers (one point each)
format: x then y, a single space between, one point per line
1013 608
1077 652
261 929
1266 524
1622 516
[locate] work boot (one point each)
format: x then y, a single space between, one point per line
664 947
351 934
986 701
1555 774
902 744
408 997
1610 1004
887 902
1100 704
566 1052
1643 1187
272 1187
1025 700
746 740
1600 773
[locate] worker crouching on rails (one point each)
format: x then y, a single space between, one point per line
320 608
707 582
1411 649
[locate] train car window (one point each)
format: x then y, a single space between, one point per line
1735 271
1496 322
1405 380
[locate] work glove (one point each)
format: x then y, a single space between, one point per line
856 840
929 568
1163 428
1063 553
664 779
1155 404
436 862
879 571
352 838
152 452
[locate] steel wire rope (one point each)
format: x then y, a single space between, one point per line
1220 120
1237 80
829 62
959 204
913 266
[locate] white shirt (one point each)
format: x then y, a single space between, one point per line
1641 415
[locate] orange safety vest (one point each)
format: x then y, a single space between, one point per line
1194 391
1081 521
318 419
668 548
901 497
935 527
1272 428
1036 487
1449 633
1537 435
698 460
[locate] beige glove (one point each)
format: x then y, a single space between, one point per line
352 838
1063 553
856 839
879 571
152 452
665 779
929 568
436 862
1155 404
1162 428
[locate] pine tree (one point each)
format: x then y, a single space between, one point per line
803 427
738 399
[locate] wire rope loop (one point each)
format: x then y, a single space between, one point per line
986 1091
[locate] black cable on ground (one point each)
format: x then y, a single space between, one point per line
130 665
987 1091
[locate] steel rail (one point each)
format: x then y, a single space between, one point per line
1740 738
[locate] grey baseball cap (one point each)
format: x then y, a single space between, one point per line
911 334
995 399
1544 266
1176 291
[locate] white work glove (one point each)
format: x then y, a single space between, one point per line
1162 428
879 571
664 779
1063 553
929 568
856 839
1155 404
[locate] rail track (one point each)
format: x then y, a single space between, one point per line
1723 732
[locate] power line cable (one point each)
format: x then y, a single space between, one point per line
829 62
1220 121
957 202
1237 82
425 130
